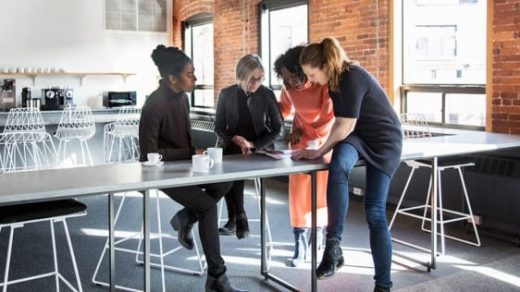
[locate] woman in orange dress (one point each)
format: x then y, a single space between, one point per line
313 118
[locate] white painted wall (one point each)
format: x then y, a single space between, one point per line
70 34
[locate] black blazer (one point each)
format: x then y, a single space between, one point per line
267 119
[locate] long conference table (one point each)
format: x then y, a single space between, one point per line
102 179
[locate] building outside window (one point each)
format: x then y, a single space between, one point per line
444 57
198 45
283 25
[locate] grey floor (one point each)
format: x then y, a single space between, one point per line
493 267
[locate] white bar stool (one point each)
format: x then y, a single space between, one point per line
414 127
76 124
25 131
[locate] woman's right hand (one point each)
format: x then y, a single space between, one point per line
243 143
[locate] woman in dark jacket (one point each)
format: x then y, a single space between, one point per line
165 128
248 118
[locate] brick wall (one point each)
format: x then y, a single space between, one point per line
361 26
184 9
363 29
235 32
505 72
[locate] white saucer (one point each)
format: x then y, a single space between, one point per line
148 163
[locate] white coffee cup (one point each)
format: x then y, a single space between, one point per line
154 158
215 153
202 163
313 144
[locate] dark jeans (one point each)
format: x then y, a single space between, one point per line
343 160
201 203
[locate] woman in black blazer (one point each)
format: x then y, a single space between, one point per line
248 118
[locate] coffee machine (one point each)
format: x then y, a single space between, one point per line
8 95
56 98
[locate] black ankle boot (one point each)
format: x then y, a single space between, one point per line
300 247
381 289
182 223
332 259
229 228
242 229
220 284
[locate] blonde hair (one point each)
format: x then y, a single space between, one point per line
327 55
245 68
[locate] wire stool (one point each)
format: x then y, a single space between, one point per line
76 124
414 127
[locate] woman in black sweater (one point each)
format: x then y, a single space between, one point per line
248 118
165 128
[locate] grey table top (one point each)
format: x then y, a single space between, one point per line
64 183
73 182
458 143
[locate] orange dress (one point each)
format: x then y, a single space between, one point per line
313 113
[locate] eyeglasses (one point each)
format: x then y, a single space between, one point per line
254 80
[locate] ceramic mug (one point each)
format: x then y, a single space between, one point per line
215 153
202 163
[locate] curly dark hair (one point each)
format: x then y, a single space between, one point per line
169 60
290 60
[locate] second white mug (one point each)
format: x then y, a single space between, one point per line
201 163
215 153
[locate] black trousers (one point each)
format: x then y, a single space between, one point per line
235 200
201 204
235 196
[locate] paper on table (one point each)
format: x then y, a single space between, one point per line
278 154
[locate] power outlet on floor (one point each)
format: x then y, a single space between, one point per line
478 219
357 191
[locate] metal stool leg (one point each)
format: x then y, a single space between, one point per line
8 259
470 210
162 254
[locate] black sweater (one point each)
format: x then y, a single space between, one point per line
165 125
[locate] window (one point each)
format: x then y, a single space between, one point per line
283 25
198 45
136 15
444 57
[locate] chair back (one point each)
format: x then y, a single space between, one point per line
76 122
24 119
121 138
25 143
414 126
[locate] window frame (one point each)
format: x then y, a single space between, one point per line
443 89
137 20
267 6
191 22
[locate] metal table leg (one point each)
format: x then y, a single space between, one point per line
314 207
434 192
111 250
146 239
264 268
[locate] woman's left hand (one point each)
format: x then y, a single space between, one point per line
306 154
